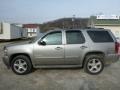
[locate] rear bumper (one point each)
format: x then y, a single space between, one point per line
6 61
111 58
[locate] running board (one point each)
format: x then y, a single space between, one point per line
57 66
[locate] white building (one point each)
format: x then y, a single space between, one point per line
111 22
11 31
107 17
32 29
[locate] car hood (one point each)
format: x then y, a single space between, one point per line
16 44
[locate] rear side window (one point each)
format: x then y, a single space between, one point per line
100 36
74 37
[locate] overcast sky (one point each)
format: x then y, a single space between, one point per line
39 11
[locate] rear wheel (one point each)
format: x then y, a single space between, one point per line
93 64
21 65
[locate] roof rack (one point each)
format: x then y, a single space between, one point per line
100 28
93 28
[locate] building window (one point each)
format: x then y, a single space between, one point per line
30 34
28 30
33 30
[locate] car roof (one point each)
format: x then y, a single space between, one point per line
91 29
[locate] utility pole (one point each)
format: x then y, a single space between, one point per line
63 24
73 21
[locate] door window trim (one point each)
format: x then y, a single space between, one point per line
75 31
50 33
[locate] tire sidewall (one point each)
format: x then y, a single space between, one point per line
26 59
88 58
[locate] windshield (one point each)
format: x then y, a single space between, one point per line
36 38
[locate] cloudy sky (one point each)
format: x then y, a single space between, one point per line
39 11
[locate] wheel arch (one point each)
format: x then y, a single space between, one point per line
14 55
92 53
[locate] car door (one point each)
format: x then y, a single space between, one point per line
52 52
74 47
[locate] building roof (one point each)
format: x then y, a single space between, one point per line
108 22
30 25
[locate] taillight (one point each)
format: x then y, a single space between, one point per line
117 47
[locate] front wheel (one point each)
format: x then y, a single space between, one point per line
21 65
93 64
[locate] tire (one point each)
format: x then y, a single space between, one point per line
21 65
94 64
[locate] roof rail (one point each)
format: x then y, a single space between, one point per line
93 28
88 27
100 28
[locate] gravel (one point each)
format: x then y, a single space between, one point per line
59 79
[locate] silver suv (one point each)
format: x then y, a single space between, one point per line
91 49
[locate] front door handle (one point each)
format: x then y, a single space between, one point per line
58 48
83 47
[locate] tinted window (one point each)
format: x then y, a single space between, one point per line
74 37
100 36
54 38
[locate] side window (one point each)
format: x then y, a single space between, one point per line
100 36
54 38
74 37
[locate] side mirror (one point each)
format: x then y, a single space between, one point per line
42 43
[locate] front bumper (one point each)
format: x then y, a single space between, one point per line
6 61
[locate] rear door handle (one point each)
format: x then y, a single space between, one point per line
58 48
83 47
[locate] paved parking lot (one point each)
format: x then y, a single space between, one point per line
59 79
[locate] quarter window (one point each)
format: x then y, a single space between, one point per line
74 37
100 36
